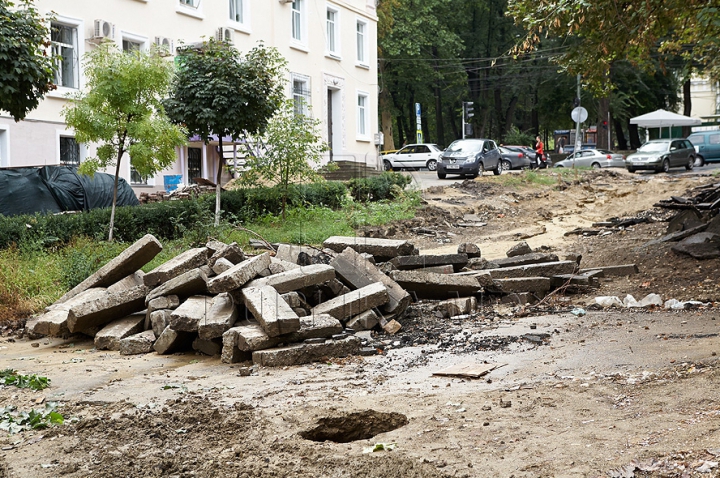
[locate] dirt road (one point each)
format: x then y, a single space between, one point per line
610 393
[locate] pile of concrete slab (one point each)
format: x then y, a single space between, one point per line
296 305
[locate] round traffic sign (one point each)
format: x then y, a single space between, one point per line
579 114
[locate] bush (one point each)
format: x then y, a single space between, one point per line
378 188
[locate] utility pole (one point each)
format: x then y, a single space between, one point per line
578 138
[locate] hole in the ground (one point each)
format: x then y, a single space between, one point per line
354 426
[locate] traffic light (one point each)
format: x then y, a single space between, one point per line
576 102
469 110
604 124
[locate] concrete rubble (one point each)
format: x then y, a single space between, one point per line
299 304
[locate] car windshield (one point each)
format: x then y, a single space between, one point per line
465 147
656 147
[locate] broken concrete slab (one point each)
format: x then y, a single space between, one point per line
230 353
208 347
403 263
478 263
127 262
158 303
192 282
296 279
291 252
701 246
100 311
222 316
159 320
221 265
230 252
365 321
353 303
519 249
133 280
483 277
518 298
358 272
171 340
251 337
619 270
109 337
239 275
448 269
53 322
685 219
270 310
544 269
428 285
532 258
186 261
574 279
306 353
459 306
277 265
470 249
312 327
381 249
190 314
392 327
141 343
293 299
538 285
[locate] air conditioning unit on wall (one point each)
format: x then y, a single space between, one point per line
224 34
103 31
165 46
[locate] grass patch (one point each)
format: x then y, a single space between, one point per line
543 177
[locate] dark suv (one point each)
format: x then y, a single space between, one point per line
470 157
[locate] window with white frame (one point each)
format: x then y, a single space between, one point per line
332 30
190 3
237 12
4 146
69 151
135 177
64 49
362 114
361 28
298 7
130 45
301 94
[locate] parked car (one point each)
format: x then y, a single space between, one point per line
660 155
423 155
707 146
544 163
593 158
512 159
470 157
570 148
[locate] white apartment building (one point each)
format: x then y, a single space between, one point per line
330 46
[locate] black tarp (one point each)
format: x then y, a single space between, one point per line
58 188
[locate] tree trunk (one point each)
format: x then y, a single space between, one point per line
635 141
453 124
687 106
603 124
221 163
620 135
439 126
509 117
117 178
385 101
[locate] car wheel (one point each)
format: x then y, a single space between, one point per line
506 165
387 165
596 165
441 175
699 162
631 170
432 165
665 167
690 164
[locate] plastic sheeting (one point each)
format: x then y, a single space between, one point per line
53 189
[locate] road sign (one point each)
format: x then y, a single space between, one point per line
579 114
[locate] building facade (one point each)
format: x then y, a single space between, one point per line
330 46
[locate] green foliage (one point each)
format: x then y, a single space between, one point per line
519 138
11 377
26 72
14 421
388 185
293 151
122 111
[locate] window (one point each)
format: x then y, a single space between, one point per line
190 3
194 164
4 145
64 48
130 46
362 114
361 34
135 177
236 11
301 94
714 139
297 21
69 151
332 32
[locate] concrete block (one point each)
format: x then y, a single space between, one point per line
460 306
102 310
356 271
313 327
230 353
381 249
208 347
368 257
141 343
253 337
428 285
278 265
291 252
230 252
483 277
190 283
133 280
190 314
54 321
306 353
470 249
109 337
296 279
221 316
171 340
477 263
186 261
447 269
365 321
518 298
165 302
293 299
159 320
392 327
532 258
270 310
127 262
355 302
404 263
519 249
239 275
573 279
539 285
544 269
619 270
221 265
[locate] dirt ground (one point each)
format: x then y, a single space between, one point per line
612 393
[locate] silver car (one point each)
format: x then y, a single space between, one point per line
593 158
660 155
424 155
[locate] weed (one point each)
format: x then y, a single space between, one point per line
13 421
11 377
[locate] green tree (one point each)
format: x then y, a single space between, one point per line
218 92
293 149
121 108
26 72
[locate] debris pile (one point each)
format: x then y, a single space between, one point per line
296 305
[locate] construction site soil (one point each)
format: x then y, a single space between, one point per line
614 392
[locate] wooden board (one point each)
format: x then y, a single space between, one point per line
468 370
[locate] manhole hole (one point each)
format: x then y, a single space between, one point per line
354 426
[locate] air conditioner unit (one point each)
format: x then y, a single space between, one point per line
165 46
224 34
103 30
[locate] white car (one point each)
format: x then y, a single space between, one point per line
424 155
593 158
